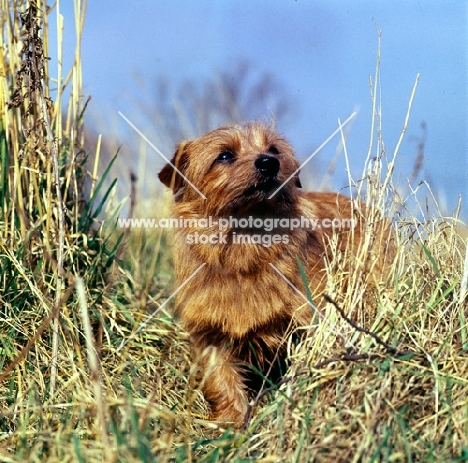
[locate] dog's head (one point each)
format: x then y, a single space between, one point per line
238 169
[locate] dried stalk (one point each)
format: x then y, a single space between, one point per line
32 71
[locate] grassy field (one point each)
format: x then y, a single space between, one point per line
79 383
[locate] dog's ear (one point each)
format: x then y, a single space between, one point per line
171 177
298 181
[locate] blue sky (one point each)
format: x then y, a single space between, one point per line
322 52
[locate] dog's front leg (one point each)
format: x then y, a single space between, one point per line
223 386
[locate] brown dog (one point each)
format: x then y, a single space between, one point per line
245 290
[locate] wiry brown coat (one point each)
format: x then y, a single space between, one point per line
239 305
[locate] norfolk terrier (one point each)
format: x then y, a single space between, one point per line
244 224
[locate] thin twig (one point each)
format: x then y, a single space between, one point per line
344 357
378 339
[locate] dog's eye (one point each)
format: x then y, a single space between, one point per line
273 149
225 156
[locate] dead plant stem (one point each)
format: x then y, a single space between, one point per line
61 225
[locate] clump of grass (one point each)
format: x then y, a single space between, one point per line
396 388
126 395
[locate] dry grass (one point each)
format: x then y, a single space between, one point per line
140 402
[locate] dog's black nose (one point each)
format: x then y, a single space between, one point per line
267 165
